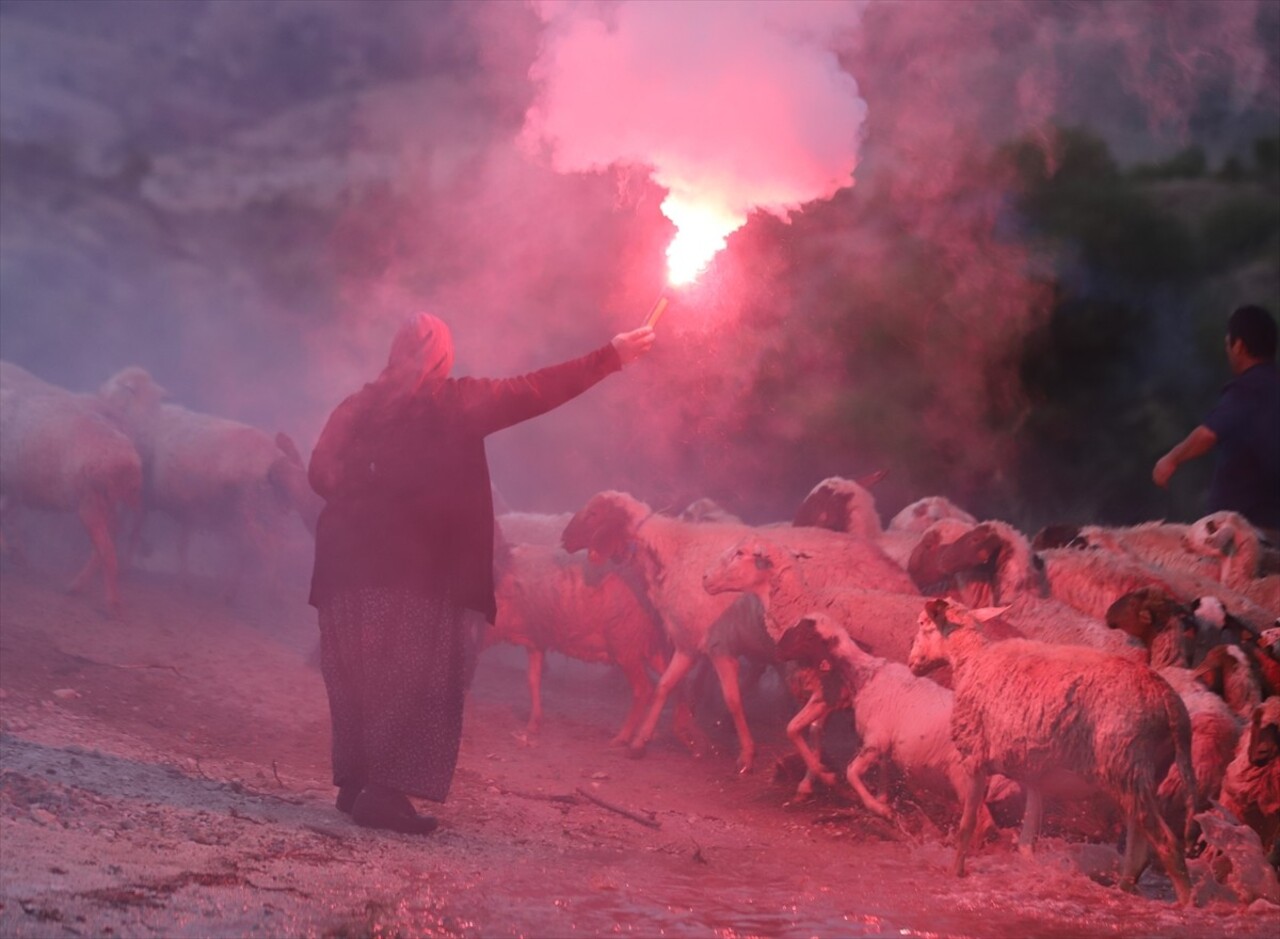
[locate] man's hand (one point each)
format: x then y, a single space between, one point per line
1197 443
631 345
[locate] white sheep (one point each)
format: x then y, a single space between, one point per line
57 454
708 510
840 504
1232 674
209 472
1251 787
847 505
670 555
1091 579
1215 729
784 581
16 378
992 564
549 600
1160 545
898 716
1048 715
921 514
1228 541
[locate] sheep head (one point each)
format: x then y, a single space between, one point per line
606 526
937 621
839 504
923 513
808 641
746 567
1147 612
131 395
944 629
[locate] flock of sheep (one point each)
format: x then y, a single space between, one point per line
1137 664
126 450
1140 665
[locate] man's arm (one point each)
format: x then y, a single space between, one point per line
1196 444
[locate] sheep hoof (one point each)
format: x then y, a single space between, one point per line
636 752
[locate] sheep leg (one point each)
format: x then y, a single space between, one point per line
1155 831
95 515
534 675
677 668
1031 816
968 820
867 758
726 667
815 709
959 777
641 693
805 789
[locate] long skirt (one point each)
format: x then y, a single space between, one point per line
396 666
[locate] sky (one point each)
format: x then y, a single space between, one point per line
247 199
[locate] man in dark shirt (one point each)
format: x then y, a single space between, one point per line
1244 426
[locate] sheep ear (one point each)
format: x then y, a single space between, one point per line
937 611
982 614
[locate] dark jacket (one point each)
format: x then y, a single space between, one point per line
1246 421
406 481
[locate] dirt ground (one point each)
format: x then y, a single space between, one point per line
166 774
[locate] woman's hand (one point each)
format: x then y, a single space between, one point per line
631 345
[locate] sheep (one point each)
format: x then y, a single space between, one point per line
670 556
848 506
1235 546
780 577
1164 626
1230 673
1160 545
1044 715
1091 579
549 600
898 716
840 504
708 510
16 378
206 471
1254 672
1215 729
58 454
667 554
1251 787
922 513
992 563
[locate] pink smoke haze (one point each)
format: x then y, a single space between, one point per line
736 108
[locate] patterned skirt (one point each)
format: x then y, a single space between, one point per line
396 666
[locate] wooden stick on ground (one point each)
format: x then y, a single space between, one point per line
649 822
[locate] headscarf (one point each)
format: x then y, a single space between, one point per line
421 353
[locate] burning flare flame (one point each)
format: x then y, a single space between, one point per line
701 230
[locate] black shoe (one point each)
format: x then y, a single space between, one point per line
347 797
380 807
